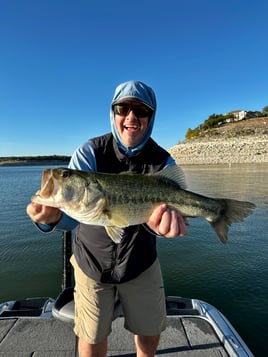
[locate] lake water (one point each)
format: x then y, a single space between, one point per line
232 277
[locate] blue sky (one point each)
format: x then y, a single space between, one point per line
61 61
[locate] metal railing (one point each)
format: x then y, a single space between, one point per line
67 275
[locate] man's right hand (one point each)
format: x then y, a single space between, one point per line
43 214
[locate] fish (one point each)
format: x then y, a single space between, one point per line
116 201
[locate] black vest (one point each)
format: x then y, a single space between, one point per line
97 255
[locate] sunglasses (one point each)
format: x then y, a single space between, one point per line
138 111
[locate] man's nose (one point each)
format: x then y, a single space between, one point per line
131 115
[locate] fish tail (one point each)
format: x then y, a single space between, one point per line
233 212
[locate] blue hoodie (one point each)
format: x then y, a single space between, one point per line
138 91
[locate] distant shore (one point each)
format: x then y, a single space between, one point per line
35 161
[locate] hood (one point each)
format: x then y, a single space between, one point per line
133 90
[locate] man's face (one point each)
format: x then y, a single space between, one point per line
131 121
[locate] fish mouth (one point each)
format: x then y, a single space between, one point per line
47 185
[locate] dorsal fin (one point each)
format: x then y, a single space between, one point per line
174 173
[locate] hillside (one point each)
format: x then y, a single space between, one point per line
239 142
256 126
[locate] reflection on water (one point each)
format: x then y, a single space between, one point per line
245 182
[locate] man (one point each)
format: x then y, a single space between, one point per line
130 270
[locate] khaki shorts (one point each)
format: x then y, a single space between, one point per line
142 299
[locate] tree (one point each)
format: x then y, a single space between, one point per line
265 110
213 121
191 133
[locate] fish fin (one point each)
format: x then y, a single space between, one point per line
115 230
221 228
117 220
174 173
115 233
233 212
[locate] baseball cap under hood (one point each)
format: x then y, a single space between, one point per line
138 91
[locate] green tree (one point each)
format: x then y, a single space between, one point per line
265 110
191 133
213 121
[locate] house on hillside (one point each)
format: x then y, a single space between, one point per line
237 115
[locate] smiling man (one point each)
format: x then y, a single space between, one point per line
130 270
131 121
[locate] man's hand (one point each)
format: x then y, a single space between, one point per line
43 214
167 222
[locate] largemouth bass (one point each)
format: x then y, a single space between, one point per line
116 201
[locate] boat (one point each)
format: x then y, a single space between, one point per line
43 326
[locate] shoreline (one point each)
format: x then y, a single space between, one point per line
217 151
33 162
214 150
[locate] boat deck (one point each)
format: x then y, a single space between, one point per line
34 337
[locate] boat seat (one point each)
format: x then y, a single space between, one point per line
180 306
63 308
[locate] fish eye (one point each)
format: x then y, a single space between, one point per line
66 173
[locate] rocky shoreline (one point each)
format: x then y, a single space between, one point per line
217 150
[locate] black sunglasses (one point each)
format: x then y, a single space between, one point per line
139 112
